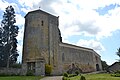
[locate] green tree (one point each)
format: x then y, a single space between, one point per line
10 32
118 53
104 65
3 58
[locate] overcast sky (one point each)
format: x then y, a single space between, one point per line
89 23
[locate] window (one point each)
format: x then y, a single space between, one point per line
63 58
42 23
31 66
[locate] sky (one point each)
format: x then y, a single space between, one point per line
93 24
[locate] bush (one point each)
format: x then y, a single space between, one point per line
116 75
76 72
3 74
65 75
82 78
117 72
48 69
72 75
16 65
64 78
29 73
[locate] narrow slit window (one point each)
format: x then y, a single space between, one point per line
42 23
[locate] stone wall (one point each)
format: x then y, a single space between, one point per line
84 58
53 40
36 42
10 71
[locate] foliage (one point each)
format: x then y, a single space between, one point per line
3 74
102 76
72 75
30 73
116 74
64 78
104 65
65 75
82 78
76 72
16 65
8 41
48 69
118 52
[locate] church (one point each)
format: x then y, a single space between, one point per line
43 45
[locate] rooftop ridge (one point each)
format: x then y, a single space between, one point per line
39 10
77 46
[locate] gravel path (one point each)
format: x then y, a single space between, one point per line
52 78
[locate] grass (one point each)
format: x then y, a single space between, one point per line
21 78
73 78
95 77
100 77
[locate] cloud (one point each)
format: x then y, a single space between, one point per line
94 44
20 43
3 5
19 48
19 20
77 17
86 20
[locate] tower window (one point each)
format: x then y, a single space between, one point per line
42 23
63 58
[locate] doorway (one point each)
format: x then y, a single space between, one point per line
97 67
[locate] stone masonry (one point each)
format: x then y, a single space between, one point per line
42 45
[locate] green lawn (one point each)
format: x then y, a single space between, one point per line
21 78
95 77
101 77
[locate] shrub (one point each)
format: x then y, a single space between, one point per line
48 69
116 75
82 78
29 73
76 72
3 74
64 78
16 65
72 75
117 72
65 75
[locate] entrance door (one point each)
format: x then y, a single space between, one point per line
97 67
31 67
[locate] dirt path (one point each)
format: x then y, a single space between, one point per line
52 78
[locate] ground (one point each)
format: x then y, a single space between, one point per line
20 78
52 78
87 76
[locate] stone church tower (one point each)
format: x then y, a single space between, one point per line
41 40
43 45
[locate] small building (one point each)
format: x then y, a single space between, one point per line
114 67
43 45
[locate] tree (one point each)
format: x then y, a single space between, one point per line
10 32
3 58
118 52
104 65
